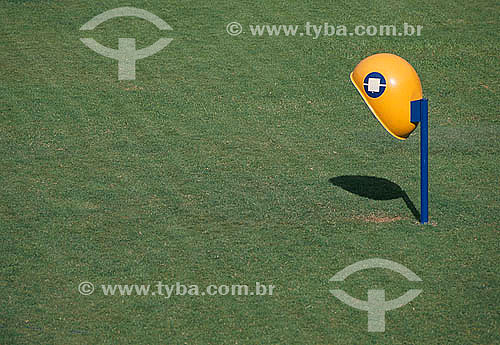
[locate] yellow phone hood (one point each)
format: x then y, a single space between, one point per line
388 84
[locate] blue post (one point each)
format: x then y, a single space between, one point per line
420 113
424 162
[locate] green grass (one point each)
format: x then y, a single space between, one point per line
214 167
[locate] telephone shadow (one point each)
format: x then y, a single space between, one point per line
375 188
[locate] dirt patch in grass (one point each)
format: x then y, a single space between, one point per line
378 218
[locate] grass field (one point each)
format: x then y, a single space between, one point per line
235 160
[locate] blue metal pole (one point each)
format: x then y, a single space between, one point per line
424 162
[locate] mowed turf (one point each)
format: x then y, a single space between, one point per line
220 165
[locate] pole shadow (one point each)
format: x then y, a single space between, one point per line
375 188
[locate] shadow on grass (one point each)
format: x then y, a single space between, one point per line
374 188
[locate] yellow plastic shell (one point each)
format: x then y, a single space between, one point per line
389 102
